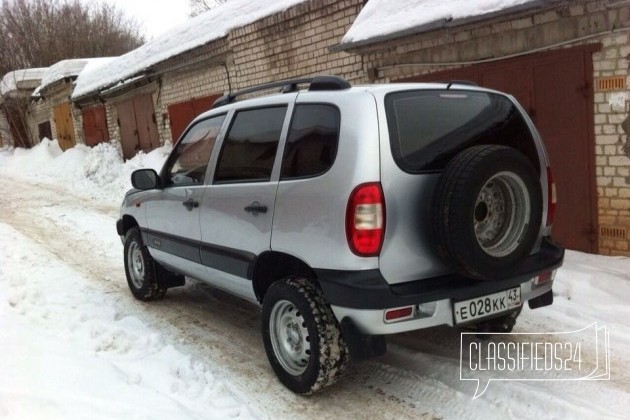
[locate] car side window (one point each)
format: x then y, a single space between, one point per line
192 153
311 145
250 146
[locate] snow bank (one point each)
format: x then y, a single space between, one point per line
386 17
98 172
73 351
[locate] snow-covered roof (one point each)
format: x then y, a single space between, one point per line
12 80
68 68
200 30
391 18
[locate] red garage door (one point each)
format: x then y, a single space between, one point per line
183 113
556 89
95 125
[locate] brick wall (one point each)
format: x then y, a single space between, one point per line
612 148
39 112
290 44
295 43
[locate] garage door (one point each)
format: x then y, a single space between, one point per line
65 127
138 130
95 125
181 114
556 89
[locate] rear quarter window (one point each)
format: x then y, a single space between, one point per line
311 145
428 127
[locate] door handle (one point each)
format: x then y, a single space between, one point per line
190 204
256 208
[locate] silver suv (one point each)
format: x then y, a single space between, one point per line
350 213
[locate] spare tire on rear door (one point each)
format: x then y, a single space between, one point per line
487 211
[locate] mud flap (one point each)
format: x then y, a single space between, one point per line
167 279
545 299
361 346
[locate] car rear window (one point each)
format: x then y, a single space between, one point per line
427 127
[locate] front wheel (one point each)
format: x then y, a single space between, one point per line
302 336
141 269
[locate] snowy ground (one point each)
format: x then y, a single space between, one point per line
75 344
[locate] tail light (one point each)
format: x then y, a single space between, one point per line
544 278
552 197
365 220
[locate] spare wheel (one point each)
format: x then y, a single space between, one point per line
487 211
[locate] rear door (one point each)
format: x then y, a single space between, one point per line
237 208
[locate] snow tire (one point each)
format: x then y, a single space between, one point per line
140 268
294 299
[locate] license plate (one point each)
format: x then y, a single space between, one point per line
483 306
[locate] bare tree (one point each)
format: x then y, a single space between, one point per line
39 33
200 6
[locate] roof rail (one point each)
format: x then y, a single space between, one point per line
317 83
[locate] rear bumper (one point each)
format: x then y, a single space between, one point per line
364 295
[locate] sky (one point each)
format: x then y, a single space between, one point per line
154 16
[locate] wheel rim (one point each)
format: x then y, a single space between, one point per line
501 214
289 337
135 262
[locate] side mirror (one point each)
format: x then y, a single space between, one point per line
145 179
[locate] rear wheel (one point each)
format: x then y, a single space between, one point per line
140 268
302 336
487 211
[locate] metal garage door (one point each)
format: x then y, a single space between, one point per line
95 125
181 114
556 89
138 130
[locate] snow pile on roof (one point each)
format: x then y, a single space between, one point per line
69 68
100 171
11 80
388 17
209 26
